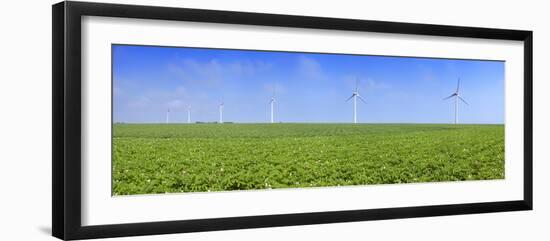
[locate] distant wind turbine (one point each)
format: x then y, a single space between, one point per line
188 114
168 116
457 96
272 102
355 95
221 111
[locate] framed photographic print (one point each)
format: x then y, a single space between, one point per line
170 120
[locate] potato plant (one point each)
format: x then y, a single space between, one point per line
170 158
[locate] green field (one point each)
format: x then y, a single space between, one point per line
167 158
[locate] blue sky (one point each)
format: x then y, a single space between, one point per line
148 80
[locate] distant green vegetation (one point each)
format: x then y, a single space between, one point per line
161 158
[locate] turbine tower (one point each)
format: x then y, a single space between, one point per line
355 95
168 116
457 96
221 112
272 102
188 114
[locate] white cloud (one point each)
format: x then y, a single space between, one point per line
309 68
365 84
214 71
116 91
175 104
140 102
181 91
274 87
376 85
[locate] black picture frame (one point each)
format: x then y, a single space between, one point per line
66 127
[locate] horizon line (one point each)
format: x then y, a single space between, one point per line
229 122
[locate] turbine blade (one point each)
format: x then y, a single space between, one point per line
356 84
350 97
361 98
462 100
446 98
458 85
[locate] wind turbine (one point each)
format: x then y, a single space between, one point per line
272 102
168 116
355 95
221 112
457 96
188 114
